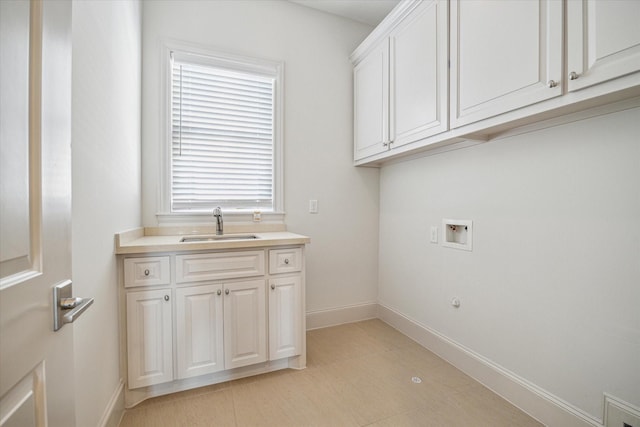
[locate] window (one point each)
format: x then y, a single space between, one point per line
224 133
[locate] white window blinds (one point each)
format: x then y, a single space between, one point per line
222 137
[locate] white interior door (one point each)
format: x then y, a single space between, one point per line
36 369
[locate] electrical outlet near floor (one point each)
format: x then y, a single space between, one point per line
618 413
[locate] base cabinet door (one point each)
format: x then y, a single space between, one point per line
505 55
604 41
149 337
285 317
199 330
245 323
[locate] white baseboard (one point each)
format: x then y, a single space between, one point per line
538 403
115 408
340 315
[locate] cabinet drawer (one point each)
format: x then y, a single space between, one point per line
285 260
199 267
148 271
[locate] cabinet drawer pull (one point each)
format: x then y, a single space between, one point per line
273 286
219 292
226 291
166 297
146 272
286 261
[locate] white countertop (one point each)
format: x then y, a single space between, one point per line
139 241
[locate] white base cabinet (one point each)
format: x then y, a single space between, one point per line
216 316
285 336
199 330
245 326
149 337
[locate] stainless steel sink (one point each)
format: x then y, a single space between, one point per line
216 238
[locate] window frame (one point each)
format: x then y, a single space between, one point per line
208 56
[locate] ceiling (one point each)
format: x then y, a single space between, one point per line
369 12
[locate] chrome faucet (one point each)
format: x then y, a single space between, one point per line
217 213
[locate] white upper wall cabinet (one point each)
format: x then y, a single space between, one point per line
371 103
401 79
419 75
511 63
504 55
603 40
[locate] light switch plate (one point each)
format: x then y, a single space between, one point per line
313 206
434 234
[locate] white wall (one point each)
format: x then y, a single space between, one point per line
317 128
551 289
106 184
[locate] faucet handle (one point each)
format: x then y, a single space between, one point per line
217 211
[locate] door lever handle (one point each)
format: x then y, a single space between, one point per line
66 309
69 303
77 310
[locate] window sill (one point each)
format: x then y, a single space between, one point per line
206 218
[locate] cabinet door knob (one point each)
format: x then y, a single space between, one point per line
273 286
226 291
219 292
552 83
385 144
166 297
286 260
146 272
573 75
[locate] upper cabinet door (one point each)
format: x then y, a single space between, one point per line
371 103
603 40
419 74
504 55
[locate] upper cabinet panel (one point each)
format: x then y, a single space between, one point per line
446 74
504 55
401 79
603 39
419 74
371 103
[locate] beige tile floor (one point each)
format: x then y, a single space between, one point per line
358 374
